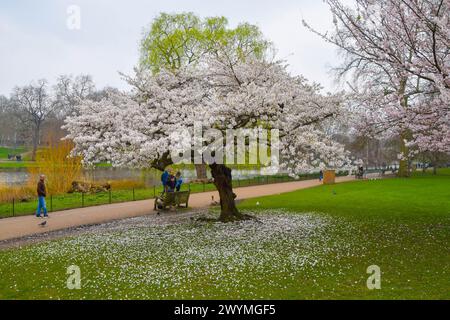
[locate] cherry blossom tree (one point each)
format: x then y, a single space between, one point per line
175 41
397 55
147 127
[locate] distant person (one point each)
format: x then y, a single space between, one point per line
42 193
164 180
171 183
179 181
320 175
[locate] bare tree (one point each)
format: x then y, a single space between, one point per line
70 91
98 95
4 101
32 106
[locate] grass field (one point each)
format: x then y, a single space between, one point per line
4 151
401 225
314 243
8 164
13 164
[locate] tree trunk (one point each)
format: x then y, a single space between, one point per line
367 155
36 135
223 182
201 171
403 170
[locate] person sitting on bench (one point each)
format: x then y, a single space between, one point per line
171 183
164 180
179 181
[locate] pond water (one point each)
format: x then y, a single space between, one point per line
151 177
13 177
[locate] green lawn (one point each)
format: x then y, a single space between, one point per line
422 197
4 151
6 164
314 243
401 225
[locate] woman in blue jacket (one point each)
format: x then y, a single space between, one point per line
179 181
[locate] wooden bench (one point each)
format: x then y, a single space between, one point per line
169 199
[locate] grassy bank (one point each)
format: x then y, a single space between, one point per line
5 151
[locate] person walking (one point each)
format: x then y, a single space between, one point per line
42 193
320 176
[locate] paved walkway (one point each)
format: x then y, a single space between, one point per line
17 227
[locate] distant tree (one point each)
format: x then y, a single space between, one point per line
98 95
70 90
434 159
33 105
3 103
4 113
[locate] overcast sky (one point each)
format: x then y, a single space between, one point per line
36 43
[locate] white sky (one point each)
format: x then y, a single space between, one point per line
36 43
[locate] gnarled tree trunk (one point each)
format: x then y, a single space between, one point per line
223 182
403 169
36 136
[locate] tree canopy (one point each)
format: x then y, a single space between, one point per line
176 40
397 57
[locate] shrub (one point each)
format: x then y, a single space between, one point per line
19 193
58 166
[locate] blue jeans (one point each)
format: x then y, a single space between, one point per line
41 206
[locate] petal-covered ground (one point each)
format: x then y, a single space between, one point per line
180 257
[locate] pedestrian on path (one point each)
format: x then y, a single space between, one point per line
42 193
